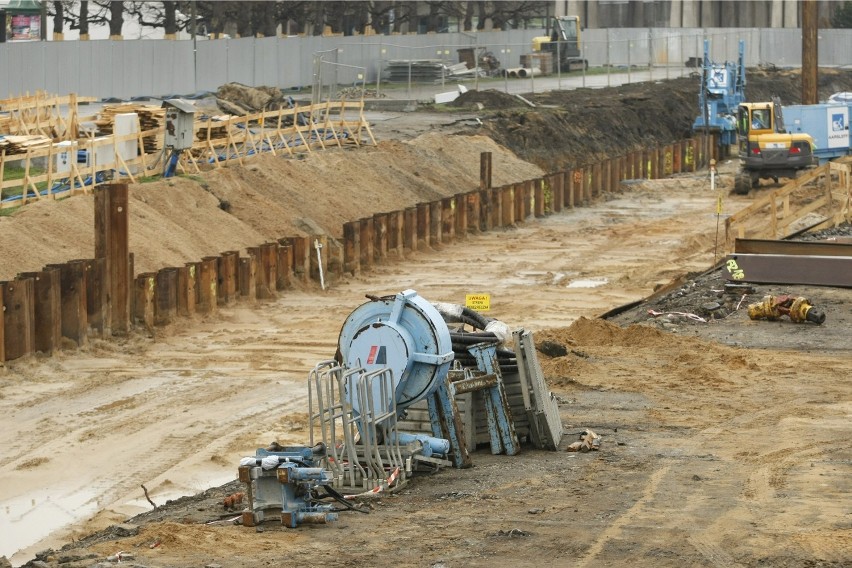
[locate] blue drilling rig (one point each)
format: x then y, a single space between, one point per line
722 90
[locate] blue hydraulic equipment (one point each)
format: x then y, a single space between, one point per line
393 352
287 481
722 90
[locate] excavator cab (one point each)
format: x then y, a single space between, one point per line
766 149
563 43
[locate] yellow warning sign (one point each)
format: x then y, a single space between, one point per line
478 302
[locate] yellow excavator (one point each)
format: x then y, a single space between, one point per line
564 43
766 149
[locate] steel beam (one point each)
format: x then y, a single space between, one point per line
798 248
790 269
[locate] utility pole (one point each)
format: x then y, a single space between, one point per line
810 68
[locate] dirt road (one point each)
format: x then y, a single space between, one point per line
712 456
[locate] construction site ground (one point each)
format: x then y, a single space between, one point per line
725 443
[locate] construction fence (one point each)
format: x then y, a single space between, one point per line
165 68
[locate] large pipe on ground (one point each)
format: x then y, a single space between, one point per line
532 72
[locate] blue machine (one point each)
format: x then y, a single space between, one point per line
404 333
827 123
722 90
286 482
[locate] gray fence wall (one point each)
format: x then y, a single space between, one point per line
157 68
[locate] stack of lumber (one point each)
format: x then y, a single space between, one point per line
397 70
150 118
20 144
215 131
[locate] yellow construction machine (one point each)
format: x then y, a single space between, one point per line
766 149
564 43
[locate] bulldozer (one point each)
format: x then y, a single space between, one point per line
563 43
766 149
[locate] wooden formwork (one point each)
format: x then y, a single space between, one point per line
777 215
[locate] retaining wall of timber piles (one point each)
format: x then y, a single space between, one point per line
63 305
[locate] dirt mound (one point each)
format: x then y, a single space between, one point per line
574 127
177 220
488 98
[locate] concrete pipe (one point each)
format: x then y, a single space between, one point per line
533 72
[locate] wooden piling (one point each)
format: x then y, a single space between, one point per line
226 277
2 325
538 196
486 221
396 223
207 285
248 278
301 257
409 229
423 225
47 309
352 247
96 301
461 215
19 307
185 290
380 232
368 243
677 156
72 278
474 211
557 188
448 219
144 290
485 170
435 224
112 244
269 257
507 205
165 296
284 268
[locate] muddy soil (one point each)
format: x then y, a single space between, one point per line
725 444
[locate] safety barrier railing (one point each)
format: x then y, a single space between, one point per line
59 169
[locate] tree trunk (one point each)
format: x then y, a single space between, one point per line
170 18
58 21
480 6
116 19
84 19
468 16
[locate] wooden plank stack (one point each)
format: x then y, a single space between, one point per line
150 118
20 144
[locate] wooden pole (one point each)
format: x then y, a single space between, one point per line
461 215
538 197
810 59
507 205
